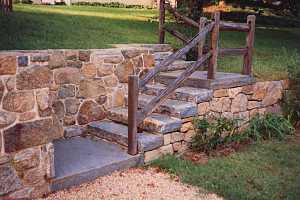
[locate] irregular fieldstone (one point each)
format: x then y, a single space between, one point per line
177 146
239 103
69 120
227 115
18 101
138 62
2 89
101 99
89 70
232 92
220 104
42 99
24 193
67 75
9 180
274 93
59 109
176 137
76 63
65 91
133 52
34 77
6 119
29 134
57 60
260 90
71 55
113 59
123 70
166 150
27 116
254 104
72 106
74 131
167 139
8 65
42 57
90 111
118 97
247 89
22 61
152 155
220 93
186 127
149 61
34 176
26 159
84 55
89 88
10 83
203 108
110 81
105 69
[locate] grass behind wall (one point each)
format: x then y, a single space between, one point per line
47 27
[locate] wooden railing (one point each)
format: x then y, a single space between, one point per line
246 52
6 6
135 116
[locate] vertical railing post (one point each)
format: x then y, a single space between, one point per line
133 92
10 7
162 14
247 68
214 43
201 44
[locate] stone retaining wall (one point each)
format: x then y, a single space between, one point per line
43 91
240 103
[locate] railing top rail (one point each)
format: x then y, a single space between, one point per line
178 54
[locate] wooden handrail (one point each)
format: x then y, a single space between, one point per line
178 54
177 34
164 94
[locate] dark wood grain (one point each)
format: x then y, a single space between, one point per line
247 67
177 34
201 44
214 44
161 24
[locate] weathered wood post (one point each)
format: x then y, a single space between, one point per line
133 92
214 43
10 7
201 44
162 14
248 57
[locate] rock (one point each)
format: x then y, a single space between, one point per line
101 99
29 134
189 135
239 103
274 93
6 119
69 120
285 84
113 59
165 150
232 92
176 146
8 65
247 89
105 69
227 115
90 111
152 155
203 108
10 83
42 99
72 106
75 64
167 139
276 109
220 93
176 137
110 81
71 55
254 104
27 116
138 62
65 91
220 104
47 158
242 117
91 88
84 55
9 181
26 159
73 131
260 90
118 97
67 75
22 61
18 101
59 109
34 176
149 61
57 60
133 52
2 89
186 127
41 57
89 70
24 193
123 70
34 77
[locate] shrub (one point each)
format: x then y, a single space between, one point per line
268 127
210 135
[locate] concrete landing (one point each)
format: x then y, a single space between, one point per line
199 79
79 160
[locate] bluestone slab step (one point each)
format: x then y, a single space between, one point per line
119 133
174 108
199 79
195 95
79 160
155 123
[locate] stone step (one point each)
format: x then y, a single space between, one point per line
79 160
195 95
118 133
174 108
155 123
199 79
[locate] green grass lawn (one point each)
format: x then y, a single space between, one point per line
45 27
267 171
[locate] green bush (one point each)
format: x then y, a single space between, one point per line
268 127
210 135
291 100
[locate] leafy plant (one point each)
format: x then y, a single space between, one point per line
268 127
210 135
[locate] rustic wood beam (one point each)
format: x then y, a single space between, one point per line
214 45
201 44
177 34
162 13
232 51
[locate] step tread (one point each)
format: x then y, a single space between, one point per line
154 123
174 108
191 94
79 160
116 132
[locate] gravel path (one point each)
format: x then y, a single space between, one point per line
134 184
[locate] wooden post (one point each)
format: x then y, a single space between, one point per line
214 45
202 23
10 6
162 13
133 92
247 68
